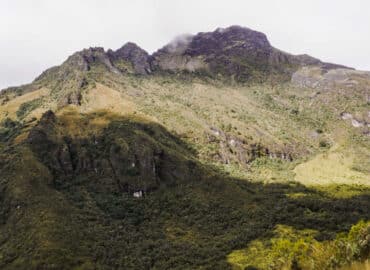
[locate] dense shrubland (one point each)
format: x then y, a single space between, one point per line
72 213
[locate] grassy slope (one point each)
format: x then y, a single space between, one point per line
10 108
283 118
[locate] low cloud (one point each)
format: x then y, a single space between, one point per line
179 43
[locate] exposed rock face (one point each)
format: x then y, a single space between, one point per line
357 122
235 51
232 147
132 53
235 36
70 79
173 57
81 62
324 78
226 51
87 57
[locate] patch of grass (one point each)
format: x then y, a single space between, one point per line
332 167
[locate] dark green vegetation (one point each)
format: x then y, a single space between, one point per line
8 130
289 248
67 201
27 107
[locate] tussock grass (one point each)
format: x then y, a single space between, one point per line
331 167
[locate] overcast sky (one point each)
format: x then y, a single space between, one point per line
38 34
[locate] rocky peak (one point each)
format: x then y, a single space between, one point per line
132 53
205 43
234 51
227 39
237 52
87 57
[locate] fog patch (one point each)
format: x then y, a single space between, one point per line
179 44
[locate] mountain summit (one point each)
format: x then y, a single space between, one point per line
235 52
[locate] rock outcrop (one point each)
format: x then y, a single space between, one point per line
233 51
133 54
321 77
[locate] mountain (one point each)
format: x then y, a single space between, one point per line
235 52
218 151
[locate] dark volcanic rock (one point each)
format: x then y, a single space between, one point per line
237 52
234 37
234 51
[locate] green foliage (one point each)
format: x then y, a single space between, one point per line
27 107
9 129
193 217
298 249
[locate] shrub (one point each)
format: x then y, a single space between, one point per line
27 107
324 144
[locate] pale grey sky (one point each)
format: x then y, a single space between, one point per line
38 34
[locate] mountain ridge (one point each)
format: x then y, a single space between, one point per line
198 54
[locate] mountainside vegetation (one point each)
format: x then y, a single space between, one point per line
218 151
